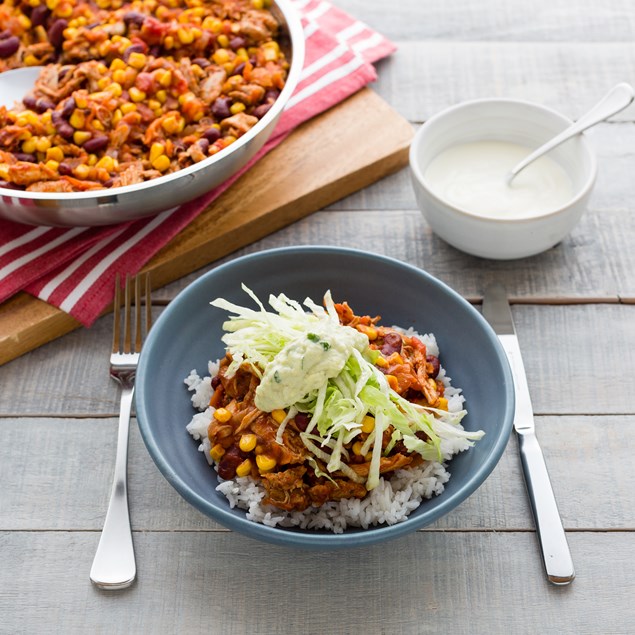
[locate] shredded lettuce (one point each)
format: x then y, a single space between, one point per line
351 387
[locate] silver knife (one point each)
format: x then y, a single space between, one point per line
553 541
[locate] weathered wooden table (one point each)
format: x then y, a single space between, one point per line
478 570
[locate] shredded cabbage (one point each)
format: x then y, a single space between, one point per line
347 393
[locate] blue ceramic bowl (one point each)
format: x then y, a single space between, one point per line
188 334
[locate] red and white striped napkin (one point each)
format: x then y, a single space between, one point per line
74 269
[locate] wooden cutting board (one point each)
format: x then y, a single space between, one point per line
343 150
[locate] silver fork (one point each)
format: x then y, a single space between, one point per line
114 564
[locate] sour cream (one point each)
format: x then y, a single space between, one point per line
306 363
472 177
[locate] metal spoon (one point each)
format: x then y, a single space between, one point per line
17 83
618 98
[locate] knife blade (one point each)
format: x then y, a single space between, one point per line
553 542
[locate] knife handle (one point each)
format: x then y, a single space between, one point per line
553 541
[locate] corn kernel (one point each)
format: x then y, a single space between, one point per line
357 448
368 424
106 163
81 136
164 78
185 36
55 154
115 88
265 463
381 362
92 160
52 4
213 24
395 358
31 60
257 4
34 3
42 144
172 124
217 452
64 10
127 107
52 165
116 118
137 60
97 125
156 151
77 119
247 442
221 56
442 403
236 108
279 415
221 414
24 22
117 64
4 171
369 331
29 146
153 104
103 83
161 96
119 76
223 40
162 163
168 42
244 469
81 171
229 139
392 382
136 94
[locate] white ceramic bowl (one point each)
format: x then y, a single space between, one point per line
514 121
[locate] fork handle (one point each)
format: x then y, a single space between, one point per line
114 565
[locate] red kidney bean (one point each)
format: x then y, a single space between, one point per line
392 343
134 48
39 15
202 62
302 421
56 32
261 111
9 186
203 145
43 104
220 108
65 130
108 183
155 51
25 156
215 382
65 169
434 360
9 46
30 102
68 107
212 134
134 17
272 94
5 34
239 69
230 461
96 143
237 43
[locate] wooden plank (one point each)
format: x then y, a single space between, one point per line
580 359
499 20
595 261
43 470
432 582
424 77
301 175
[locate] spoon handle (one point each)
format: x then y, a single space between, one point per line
616 99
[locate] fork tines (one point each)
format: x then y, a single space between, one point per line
132 292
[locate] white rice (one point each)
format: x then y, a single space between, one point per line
389 503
